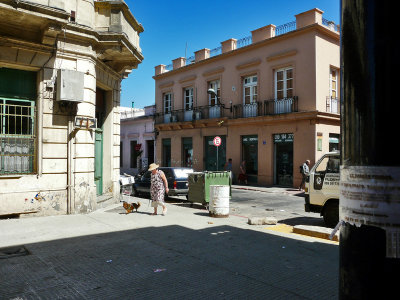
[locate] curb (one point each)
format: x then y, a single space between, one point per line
318 232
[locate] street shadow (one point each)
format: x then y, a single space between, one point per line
309 221
217 262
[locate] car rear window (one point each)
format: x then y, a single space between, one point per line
182 173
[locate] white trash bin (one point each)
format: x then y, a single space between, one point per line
219 201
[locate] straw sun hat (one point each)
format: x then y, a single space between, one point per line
153 167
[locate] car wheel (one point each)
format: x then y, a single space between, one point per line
331 214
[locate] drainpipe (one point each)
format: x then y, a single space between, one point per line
69 166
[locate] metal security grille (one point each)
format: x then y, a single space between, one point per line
17 136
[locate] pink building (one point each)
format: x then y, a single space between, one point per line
272 98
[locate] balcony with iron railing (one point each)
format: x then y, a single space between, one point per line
332 105
255 109
189 115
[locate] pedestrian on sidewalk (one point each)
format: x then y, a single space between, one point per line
228 167
304 172
158 188
242 176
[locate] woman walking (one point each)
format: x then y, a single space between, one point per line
158 188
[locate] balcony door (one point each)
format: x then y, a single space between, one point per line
333 100
188 103
167 107
283 90
250 96
214 110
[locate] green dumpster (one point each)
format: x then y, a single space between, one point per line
199 184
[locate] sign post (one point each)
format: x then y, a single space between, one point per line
217 142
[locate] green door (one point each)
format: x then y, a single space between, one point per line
212 160
98 161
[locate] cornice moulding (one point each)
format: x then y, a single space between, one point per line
252 63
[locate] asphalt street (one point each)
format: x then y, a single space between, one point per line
186 254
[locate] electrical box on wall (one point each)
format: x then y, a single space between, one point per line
69 85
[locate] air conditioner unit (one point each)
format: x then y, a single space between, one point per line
70 85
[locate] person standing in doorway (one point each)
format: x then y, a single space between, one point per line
304 172
242 176
228 167
158 188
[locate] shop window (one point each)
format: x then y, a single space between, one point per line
334 142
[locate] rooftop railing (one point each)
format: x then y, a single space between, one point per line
243 42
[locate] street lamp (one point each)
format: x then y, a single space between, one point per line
213 93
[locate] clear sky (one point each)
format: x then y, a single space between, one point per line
171 25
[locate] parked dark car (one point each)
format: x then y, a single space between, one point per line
177 178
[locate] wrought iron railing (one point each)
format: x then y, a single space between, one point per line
285 28
244 41
331 25
190 115
281 106
332 105
255 109
247 110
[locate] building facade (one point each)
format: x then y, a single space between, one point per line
137 139
61 66
272 98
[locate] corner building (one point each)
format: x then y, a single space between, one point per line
275 102
61 66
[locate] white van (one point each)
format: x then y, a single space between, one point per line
322 188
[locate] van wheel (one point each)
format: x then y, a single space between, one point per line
331 214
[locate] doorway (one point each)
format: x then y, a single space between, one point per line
283 159
150 151
166 153
98 147
215 157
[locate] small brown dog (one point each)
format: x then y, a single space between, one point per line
129 207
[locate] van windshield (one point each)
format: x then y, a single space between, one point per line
328 164
182 173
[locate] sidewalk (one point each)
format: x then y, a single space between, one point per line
185 254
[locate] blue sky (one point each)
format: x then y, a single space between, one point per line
171 25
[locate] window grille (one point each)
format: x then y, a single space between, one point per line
17 136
